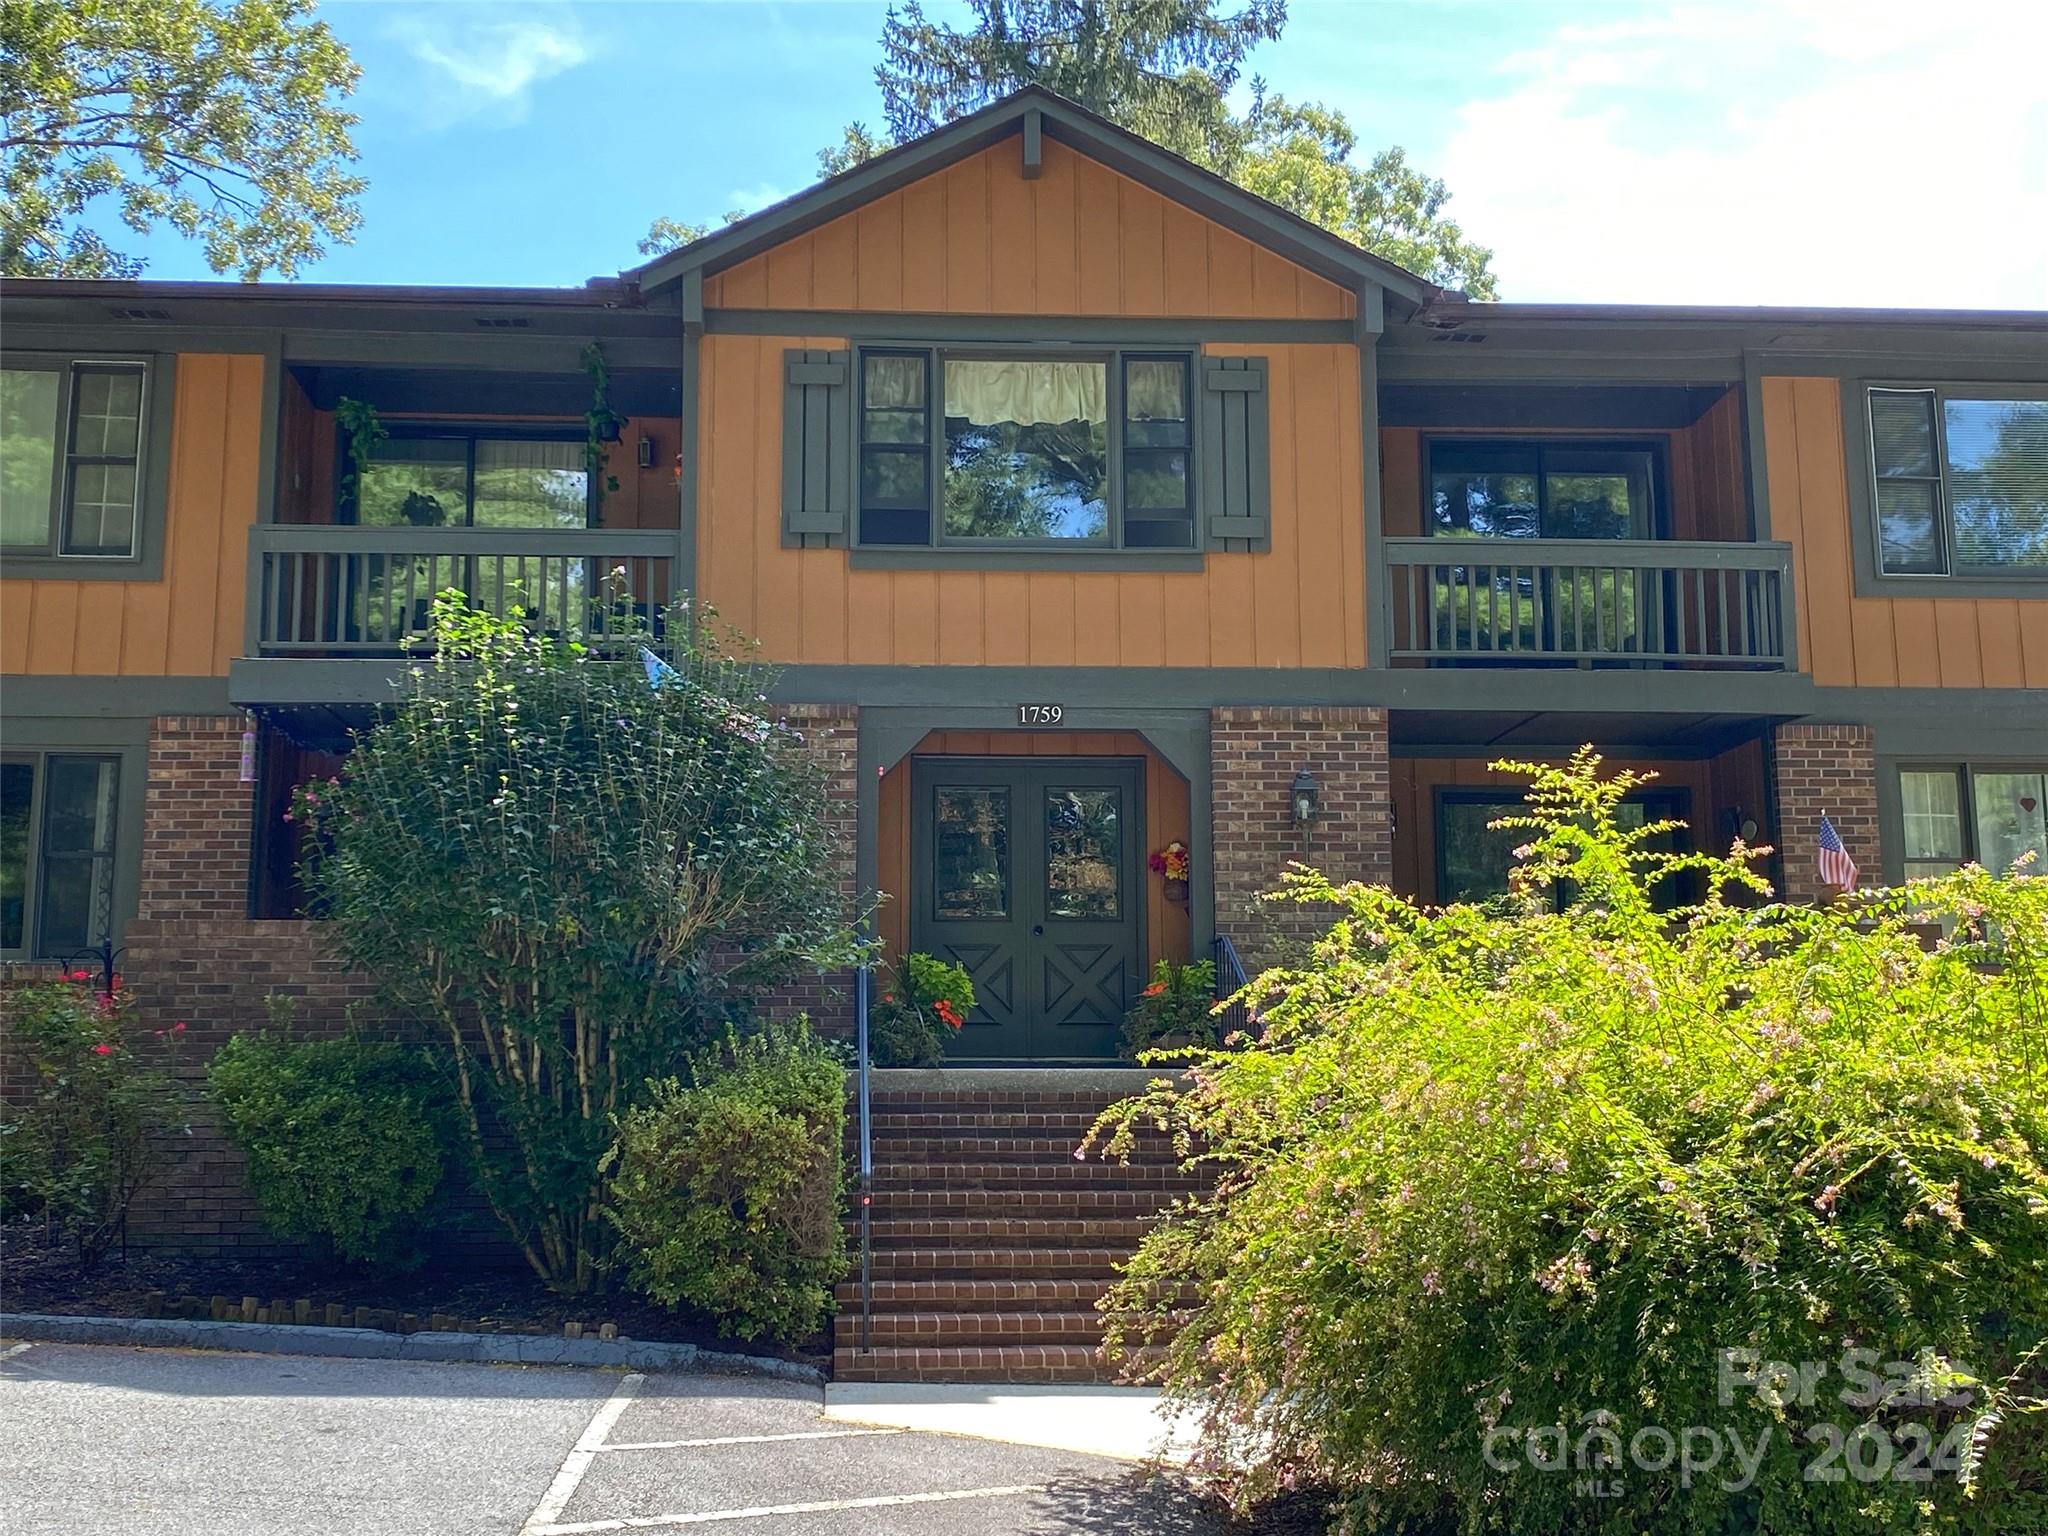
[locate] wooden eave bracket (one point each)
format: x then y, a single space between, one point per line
1034 144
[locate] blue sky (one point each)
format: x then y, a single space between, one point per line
1740 151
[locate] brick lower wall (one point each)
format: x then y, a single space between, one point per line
196 820
1255 754
1826 770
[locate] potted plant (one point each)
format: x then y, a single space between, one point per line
920 1010
1171 865
1175 1012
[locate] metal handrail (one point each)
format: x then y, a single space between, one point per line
865 1194
1230 980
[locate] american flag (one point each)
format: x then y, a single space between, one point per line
1836 867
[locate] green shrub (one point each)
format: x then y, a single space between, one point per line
572 867
1175 1011
1504 1198
347 1140
726 1185
88 1121
919 1013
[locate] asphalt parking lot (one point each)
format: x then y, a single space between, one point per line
157 1442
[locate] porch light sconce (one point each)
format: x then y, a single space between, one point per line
1303 794
647 453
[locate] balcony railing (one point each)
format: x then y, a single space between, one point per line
326 590
1591 601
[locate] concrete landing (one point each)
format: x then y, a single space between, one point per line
1124 1422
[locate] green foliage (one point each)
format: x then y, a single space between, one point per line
1487 1174
916 1016
220 120
572 877
87 1118
1161 68
1302 157
1176 1010
856 146
666 234
365 430
601 425
727 1185
347 1139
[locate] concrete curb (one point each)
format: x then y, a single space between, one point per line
376 1344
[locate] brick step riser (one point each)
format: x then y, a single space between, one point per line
924 1151
1014 1363
1029 1204
1090 1231
945 1329
980 1295
968 1264
1037 1175
1027 1124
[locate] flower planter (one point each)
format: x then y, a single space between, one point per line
1177 892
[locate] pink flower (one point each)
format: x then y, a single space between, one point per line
178 1029
103 1050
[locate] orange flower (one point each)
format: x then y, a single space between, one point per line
947 1016
1155 989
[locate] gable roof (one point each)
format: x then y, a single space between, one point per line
1035 109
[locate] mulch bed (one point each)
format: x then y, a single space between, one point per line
39 1277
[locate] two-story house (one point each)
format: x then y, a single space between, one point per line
1088 503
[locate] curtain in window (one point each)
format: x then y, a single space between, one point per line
1030 394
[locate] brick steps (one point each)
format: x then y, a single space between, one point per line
991 1243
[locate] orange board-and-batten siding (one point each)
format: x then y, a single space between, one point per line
1299 605
189 623
1876 642
978 238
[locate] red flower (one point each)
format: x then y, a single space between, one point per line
944 1009
79 976
1156 989
177 1029
103 1050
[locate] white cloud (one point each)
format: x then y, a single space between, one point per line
761 195
1767 153
490 58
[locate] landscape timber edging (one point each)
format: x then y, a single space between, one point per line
376 1344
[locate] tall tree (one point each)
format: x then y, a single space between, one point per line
1301 157
1158 67
220 121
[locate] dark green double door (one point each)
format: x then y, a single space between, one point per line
1026 872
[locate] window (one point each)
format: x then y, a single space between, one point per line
1487 488
57 826
988 450
71 456
1473 858
1959 482
432 477
1958 813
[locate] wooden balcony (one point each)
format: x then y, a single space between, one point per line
1589 602
324 590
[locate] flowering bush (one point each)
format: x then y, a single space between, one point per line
727 1184
1175 1011
346 1139
572 870
1524 1218
88 1119
915 1016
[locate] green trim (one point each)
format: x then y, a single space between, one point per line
1406 358
1034 146
1863 537
48 698
159 418
1327 255
886 326
684 582
1379 618
127 741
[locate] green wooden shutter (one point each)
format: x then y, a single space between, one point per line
817 446
1235 489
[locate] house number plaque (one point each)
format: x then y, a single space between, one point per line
1041 714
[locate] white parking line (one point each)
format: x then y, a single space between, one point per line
563 1488
823 1507
691 1445
14 1349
